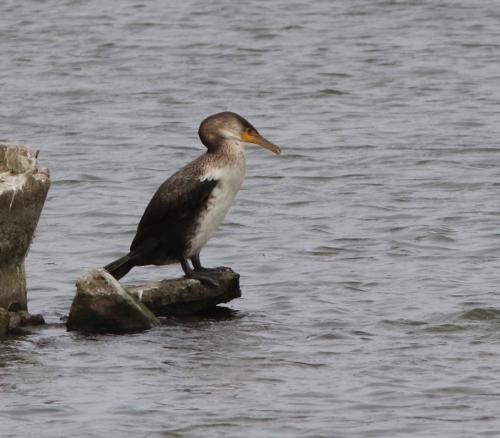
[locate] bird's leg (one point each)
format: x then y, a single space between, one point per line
201 276
198 268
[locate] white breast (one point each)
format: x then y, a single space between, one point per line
230 178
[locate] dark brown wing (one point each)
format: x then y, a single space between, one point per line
170 217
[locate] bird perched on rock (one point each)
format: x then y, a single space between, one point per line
188 207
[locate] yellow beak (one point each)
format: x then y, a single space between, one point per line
256 138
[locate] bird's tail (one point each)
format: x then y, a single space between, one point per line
121 266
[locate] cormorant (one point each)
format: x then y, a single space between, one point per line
188 207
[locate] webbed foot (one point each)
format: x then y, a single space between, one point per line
217 270
210 278
198 268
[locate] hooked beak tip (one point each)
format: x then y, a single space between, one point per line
262 142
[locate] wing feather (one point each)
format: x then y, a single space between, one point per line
171 215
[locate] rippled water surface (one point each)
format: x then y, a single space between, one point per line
368 251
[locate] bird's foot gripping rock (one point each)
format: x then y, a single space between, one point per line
186 296
217 270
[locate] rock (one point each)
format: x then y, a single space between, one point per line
22 318
11 322
36 319
185 296
23 190
102 305
4 322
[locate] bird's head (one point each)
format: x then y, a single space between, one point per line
227 126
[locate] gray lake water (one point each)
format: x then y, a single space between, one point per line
368 251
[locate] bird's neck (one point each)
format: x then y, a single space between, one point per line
229 149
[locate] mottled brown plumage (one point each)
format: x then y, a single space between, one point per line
187 208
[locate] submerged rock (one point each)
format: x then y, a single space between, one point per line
12 320
185 296
102 305
23 189
23 318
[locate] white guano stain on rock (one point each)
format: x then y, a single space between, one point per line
23 190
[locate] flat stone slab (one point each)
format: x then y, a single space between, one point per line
185 296
101 305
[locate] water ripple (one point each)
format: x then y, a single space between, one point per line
368 251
